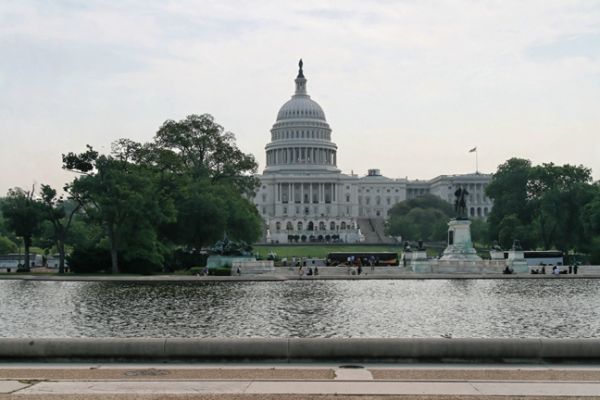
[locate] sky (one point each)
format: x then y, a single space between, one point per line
408 86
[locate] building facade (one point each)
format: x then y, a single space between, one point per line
304 197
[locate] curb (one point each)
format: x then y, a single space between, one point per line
302 349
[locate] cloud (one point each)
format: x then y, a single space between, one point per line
421 79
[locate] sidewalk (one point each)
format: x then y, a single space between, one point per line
39 381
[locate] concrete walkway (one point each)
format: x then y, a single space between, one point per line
33 381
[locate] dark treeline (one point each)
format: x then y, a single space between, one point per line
139 207
545 207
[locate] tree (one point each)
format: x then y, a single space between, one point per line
23 214
512 228
424 217
480 231
590 215
508 189
7 245
60 214
542 204
124 199
207 151
557 194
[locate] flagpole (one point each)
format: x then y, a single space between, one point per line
476 162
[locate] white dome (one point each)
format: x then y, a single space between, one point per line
301 136
300 107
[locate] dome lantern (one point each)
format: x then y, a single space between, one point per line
300 81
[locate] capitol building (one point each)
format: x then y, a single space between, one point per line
304 197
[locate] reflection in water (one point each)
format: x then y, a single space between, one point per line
374 308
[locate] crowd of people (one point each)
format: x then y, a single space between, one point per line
556 270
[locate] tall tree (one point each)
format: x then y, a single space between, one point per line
60 214
207 151
556 195
508 189
425 217
540 205
23 214
122 197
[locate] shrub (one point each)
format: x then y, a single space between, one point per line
89 260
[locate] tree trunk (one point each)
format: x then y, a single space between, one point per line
26 245
114 260
61 258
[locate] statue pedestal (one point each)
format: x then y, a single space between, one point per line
419 261
460 246
516 261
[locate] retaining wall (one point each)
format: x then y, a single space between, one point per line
299 350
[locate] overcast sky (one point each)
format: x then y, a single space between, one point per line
407 86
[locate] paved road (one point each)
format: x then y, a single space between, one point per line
136 381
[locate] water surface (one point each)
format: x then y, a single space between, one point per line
371 308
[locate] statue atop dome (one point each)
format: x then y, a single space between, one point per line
300 72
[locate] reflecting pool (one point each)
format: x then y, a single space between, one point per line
370 308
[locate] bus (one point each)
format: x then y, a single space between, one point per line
379 258
542 257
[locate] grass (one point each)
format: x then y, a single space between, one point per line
320 251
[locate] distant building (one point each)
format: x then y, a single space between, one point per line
304 197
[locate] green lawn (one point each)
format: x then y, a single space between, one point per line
319 251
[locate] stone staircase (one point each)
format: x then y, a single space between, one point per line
374 231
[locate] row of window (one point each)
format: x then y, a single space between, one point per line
313 226
478 212
368 190
388 200
301 134
301 155
302 113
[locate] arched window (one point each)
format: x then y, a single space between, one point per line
479 211
332 226
472 212
299 226
343 225
289 226
321 226
485 211
311 226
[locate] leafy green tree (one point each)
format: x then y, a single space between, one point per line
207 151
7 245
542 204
60 214
23 214
480 231
424 217
124 199
508 188
512 228
424 202
556 196
590 215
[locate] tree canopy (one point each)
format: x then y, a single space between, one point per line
188 187
542 206
23 214
422 218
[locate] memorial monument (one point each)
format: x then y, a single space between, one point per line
460 256
460 245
